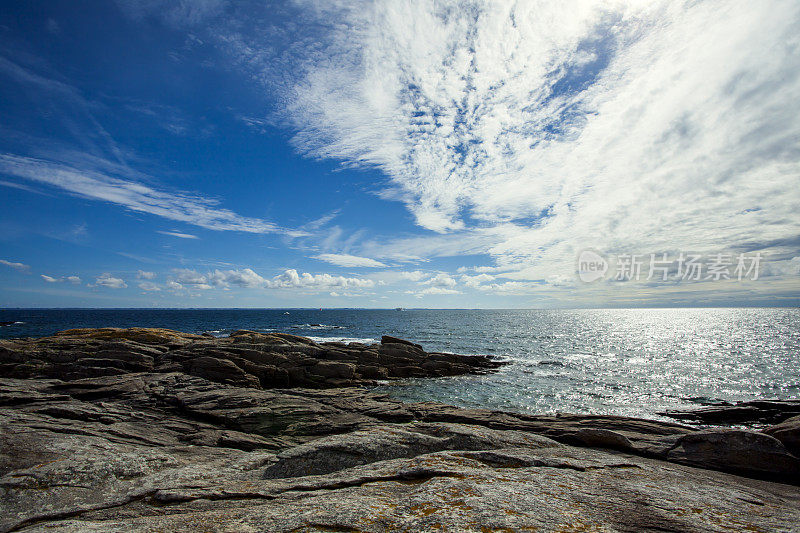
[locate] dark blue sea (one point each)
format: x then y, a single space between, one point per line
624 361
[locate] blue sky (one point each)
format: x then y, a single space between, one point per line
383 154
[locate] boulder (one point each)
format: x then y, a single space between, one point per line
788 432
388 339
745 452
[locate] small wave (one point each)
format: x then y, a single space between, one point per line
344 339
550 363
704 400
219 333
5 324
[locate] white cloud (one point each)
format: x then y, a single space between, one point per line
242 278
292 279
475 281
75 280
442 280
173 286
186 276
179 206
247 278
149 286
349 261
218 278
20 267
142 274
434 291
179 234
530 131
107 280
414 275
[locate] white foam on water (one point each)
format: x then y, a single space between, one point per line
344 339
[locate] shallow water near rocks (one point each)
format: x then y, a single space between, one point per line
633 362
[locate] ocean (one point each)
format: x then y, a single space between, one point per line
634 362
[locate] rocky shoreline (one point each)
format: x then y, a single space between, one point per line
156 430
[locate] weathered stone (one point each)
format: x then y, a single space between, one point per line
388 339
330 369
788 432
745 452
750 413
222 371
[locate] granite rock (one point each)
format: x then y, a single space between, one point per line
155 430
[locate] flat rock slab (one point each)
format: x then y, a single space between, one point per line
170 451
387 479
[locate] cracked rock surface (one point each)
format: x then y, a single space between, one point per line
166 449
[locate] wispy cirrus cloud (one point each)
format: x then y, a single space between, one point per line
530 131
178 234
75 280
136 196
19 267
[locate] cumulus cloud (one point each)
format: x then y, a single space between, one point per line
242 278
247 278
433 290
292 279
414 275
186 276
107 280
50 279
20 267
143 274
218 278
442 280
173 286
475 281
349 261
149 286
75 280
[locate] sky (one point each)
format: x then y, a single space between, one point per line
442 154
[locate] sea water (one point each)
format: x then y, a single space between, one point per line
635 362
